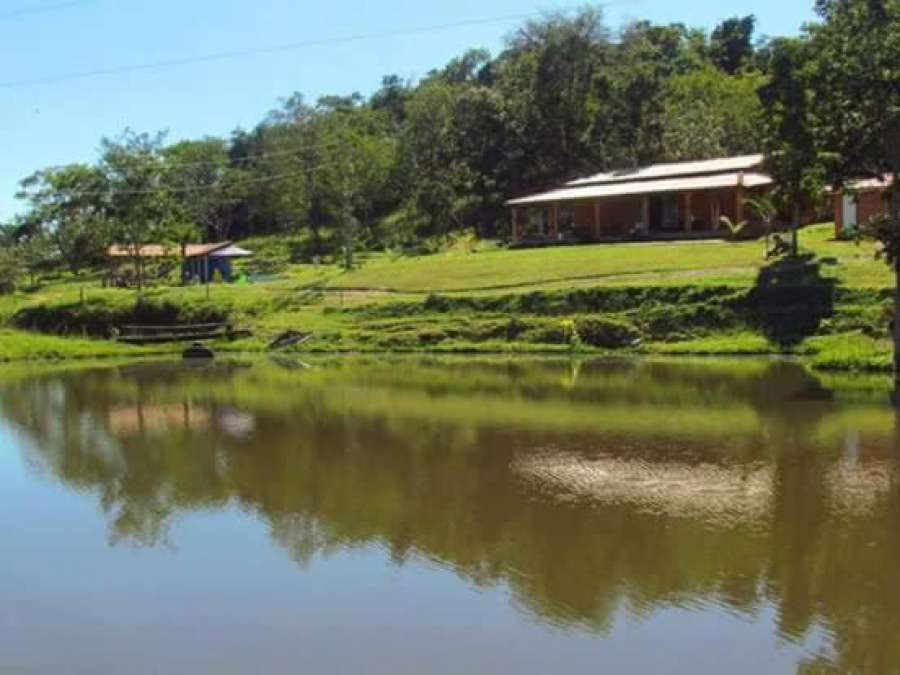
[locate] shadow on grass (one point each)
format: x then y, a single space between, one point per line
791 298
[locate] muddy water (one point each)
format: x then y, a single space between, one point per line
463 516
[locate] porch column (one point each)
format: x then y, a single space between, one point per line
596 219
645 212
714 211
554 221
739 199
514 217
688 213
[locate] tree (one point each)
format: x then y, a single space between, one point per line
711 114
205 182
143 210
355 174
629 123
392 96
793 154
855 71
547 79
10 269
36 253
731 43
69 205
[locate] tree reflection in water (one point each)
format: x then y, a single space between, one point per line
648 484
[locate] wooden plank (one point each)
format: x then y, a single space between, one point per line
174 326
185 337
146 334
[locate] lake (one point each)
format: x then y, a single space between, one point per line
448 515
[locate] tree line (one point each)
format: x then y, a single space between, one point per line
416 161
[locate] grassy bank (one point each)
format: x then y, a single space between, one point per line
829 307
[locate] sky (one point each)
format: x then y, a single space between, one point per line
45 122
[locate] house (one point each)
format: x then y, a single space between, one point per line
862 201
200 262
663 201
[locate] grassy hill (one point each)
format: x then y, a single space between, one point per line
681 297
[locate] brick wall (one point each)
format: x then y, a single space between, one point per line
869 204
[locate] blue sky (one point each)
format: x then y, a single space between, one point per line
54 123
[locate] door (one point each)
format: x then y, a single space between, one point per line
849 212
664 213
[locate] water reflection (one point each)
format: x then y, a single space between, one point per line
584 487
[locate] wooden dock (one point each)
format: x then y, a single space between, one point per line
141 335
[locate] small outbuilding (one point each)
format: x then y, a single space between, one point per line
859 203
200 262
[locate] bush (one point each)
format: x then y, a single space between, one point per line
265 264
97 317
679 320
606 333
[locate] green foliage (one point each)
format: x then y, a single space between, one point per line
99 317
606 333
886 231
731 44
36 253
205 184
854 68
141 210
795 158
10 270
709 113
67 211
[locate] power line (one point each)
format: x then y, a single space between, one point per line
275 49
237 162
196 188
218 184
41 9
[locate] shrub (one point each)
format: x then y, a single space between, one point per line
98 316
606 333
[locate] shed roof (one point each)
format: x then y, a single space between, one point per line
640 187
231 251
871 183
674 169
164 251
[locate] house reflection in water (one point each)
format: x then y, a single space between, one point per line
143 418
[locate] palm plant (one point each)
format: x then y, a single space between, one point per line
764 209
734 229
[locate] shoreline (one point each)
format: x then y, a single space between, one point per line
39 348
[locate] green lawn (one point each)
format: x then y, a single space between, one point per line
700 262
18 345
381 305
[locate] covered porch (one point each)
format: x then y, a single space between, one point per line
682 208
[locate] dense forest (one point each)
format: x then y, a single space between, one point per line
417 161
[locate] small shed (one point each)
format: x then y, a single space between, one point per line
204 267
859 203
200 262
